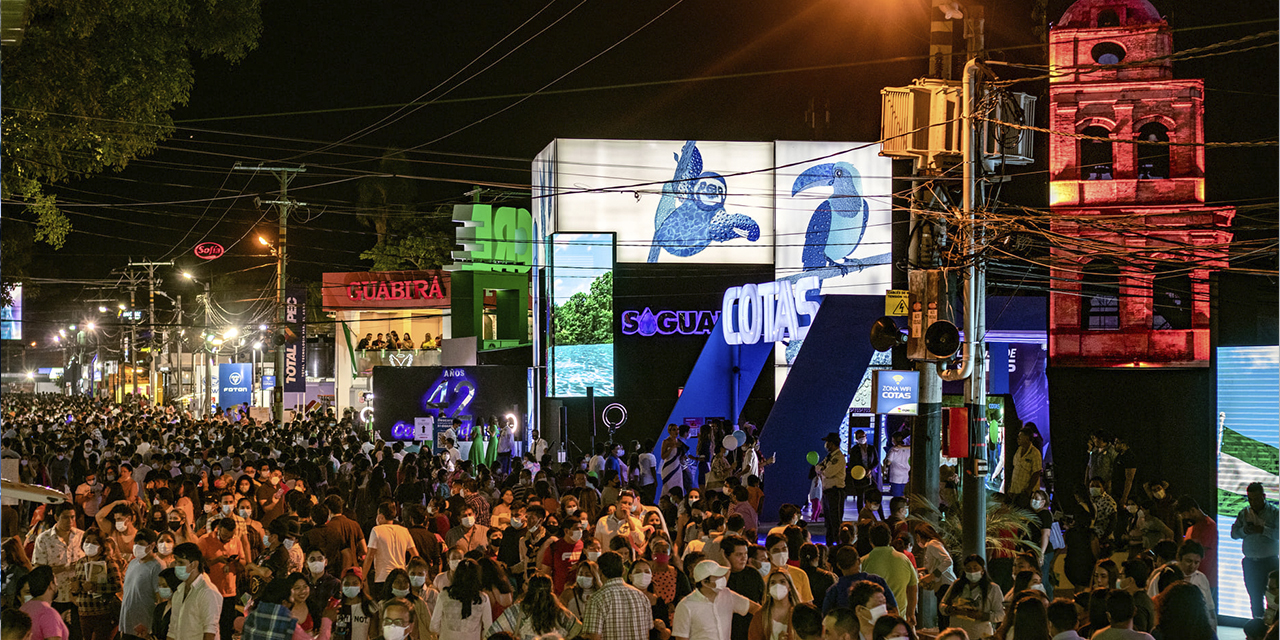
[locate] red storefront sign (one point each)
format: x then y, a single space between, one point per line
386 290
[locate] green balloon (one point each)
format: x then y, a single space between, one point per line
813 457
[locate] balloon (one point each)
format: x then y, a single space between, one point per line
730 442
813 457
740 436
858 473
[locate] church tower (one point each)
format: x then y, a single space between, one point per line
1134 242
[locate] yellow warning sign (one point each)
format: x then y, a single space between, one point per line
895 302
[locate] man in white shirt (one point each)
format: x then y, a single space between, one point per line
538 446
707 613
1190 553
621 523
646 470
388 545
197 605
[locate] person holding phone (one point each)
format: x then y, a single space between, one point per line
222 556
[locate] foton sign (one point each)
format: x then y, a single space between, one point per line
386 290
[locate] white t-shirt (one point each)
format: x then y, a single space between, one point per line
645 467
389 543
698 618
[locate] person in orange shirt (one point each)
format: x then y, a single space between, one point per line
223 558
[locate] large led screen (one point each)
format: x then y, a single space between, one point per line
580 342
677 201
1248 445
407 398
11 317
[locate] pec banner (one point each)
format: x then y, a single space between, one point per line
295 353
235 384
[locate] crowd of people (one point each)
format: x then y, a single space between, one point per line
394 341
199 529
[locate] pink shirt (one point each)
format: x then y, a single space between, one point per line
45 622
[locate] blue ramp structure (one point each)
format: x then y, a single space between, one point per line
816 395
719 385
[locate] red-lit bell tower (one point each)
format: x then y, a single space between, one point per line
1134 242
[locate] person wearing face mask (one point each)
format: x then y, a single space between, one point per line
867 606
534 541
60 547
537 613
324 587
586 582
1104 511
197 605
96 588
162 612
1040 534
40 587
707 613
165 542
141 579
397 621
469 533
355 615
390 544
445 577
399 587
1133 579
670 585
273 561
223 555
974 602
779 555
773 621
563 554
270 618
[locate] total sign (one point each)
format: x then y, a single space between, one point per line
897 392
770 311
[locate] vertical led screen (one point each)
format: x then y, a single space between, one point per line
11 317
1248 445
580 342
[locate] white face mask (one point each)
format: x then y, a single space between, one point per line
417 581
1037 504
586 582
575 535
721 583
641 580
90 549
765 568
453 565
139 551
350 592
122 526
316 566
973 576
1037 587
876 613
165 548
468 522
1095 491
399 593
779 591
779 558
393 632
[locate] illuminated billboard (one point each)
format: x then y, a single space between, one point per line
833 215
411 400
1248 445
676 201
580 339
11 317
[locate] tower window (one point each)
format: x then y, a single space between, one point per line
1108 18
1153 159
1100 297
1095 155
1107 53
1171 299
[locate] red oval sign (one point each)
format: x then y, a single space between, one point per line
209 250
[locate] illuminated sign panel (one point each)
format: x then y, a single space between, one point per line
769 312
11 317
387 290
493 239
580 342
295 353
235 384
677 201
209 250
896 392
665 322
1248 443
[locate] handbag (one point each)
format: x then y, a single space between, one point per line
1056 539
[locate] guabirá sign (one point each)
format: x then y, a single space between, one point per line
769 311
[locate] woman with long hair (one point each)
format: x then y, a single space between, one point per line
399 586
588 581
537 613
891 627
496 585
15 565
773 620
1181 614
1028 620
98 583
305 611
974 602
355 613
462 611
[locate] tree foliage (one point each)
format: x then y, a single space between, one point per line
407 238
90 88
586 318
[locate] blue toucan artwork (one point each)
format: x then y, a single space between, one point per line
838 224
691 213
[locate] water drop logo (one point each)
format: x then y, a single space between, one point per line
648 323
897 379
235 378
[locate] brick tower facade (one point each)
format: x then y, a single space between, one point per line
1130 279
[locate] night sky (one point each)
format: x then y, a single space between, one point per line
350 59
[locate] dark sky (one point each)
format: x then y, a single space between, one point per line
338 55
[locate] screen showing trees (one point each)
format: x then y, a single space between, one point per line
580 345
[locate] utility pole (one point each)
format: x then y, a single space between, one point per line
284 205
151 320
178 339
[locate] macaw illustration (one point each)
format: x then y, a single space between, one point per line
691 212
838 224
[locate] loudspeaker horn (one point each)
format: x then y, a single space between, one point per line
886 335
942 339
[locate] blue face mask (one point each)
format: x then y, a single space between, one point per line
181 571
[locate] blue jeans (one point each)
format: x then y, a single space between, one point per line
897 490
1046 572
